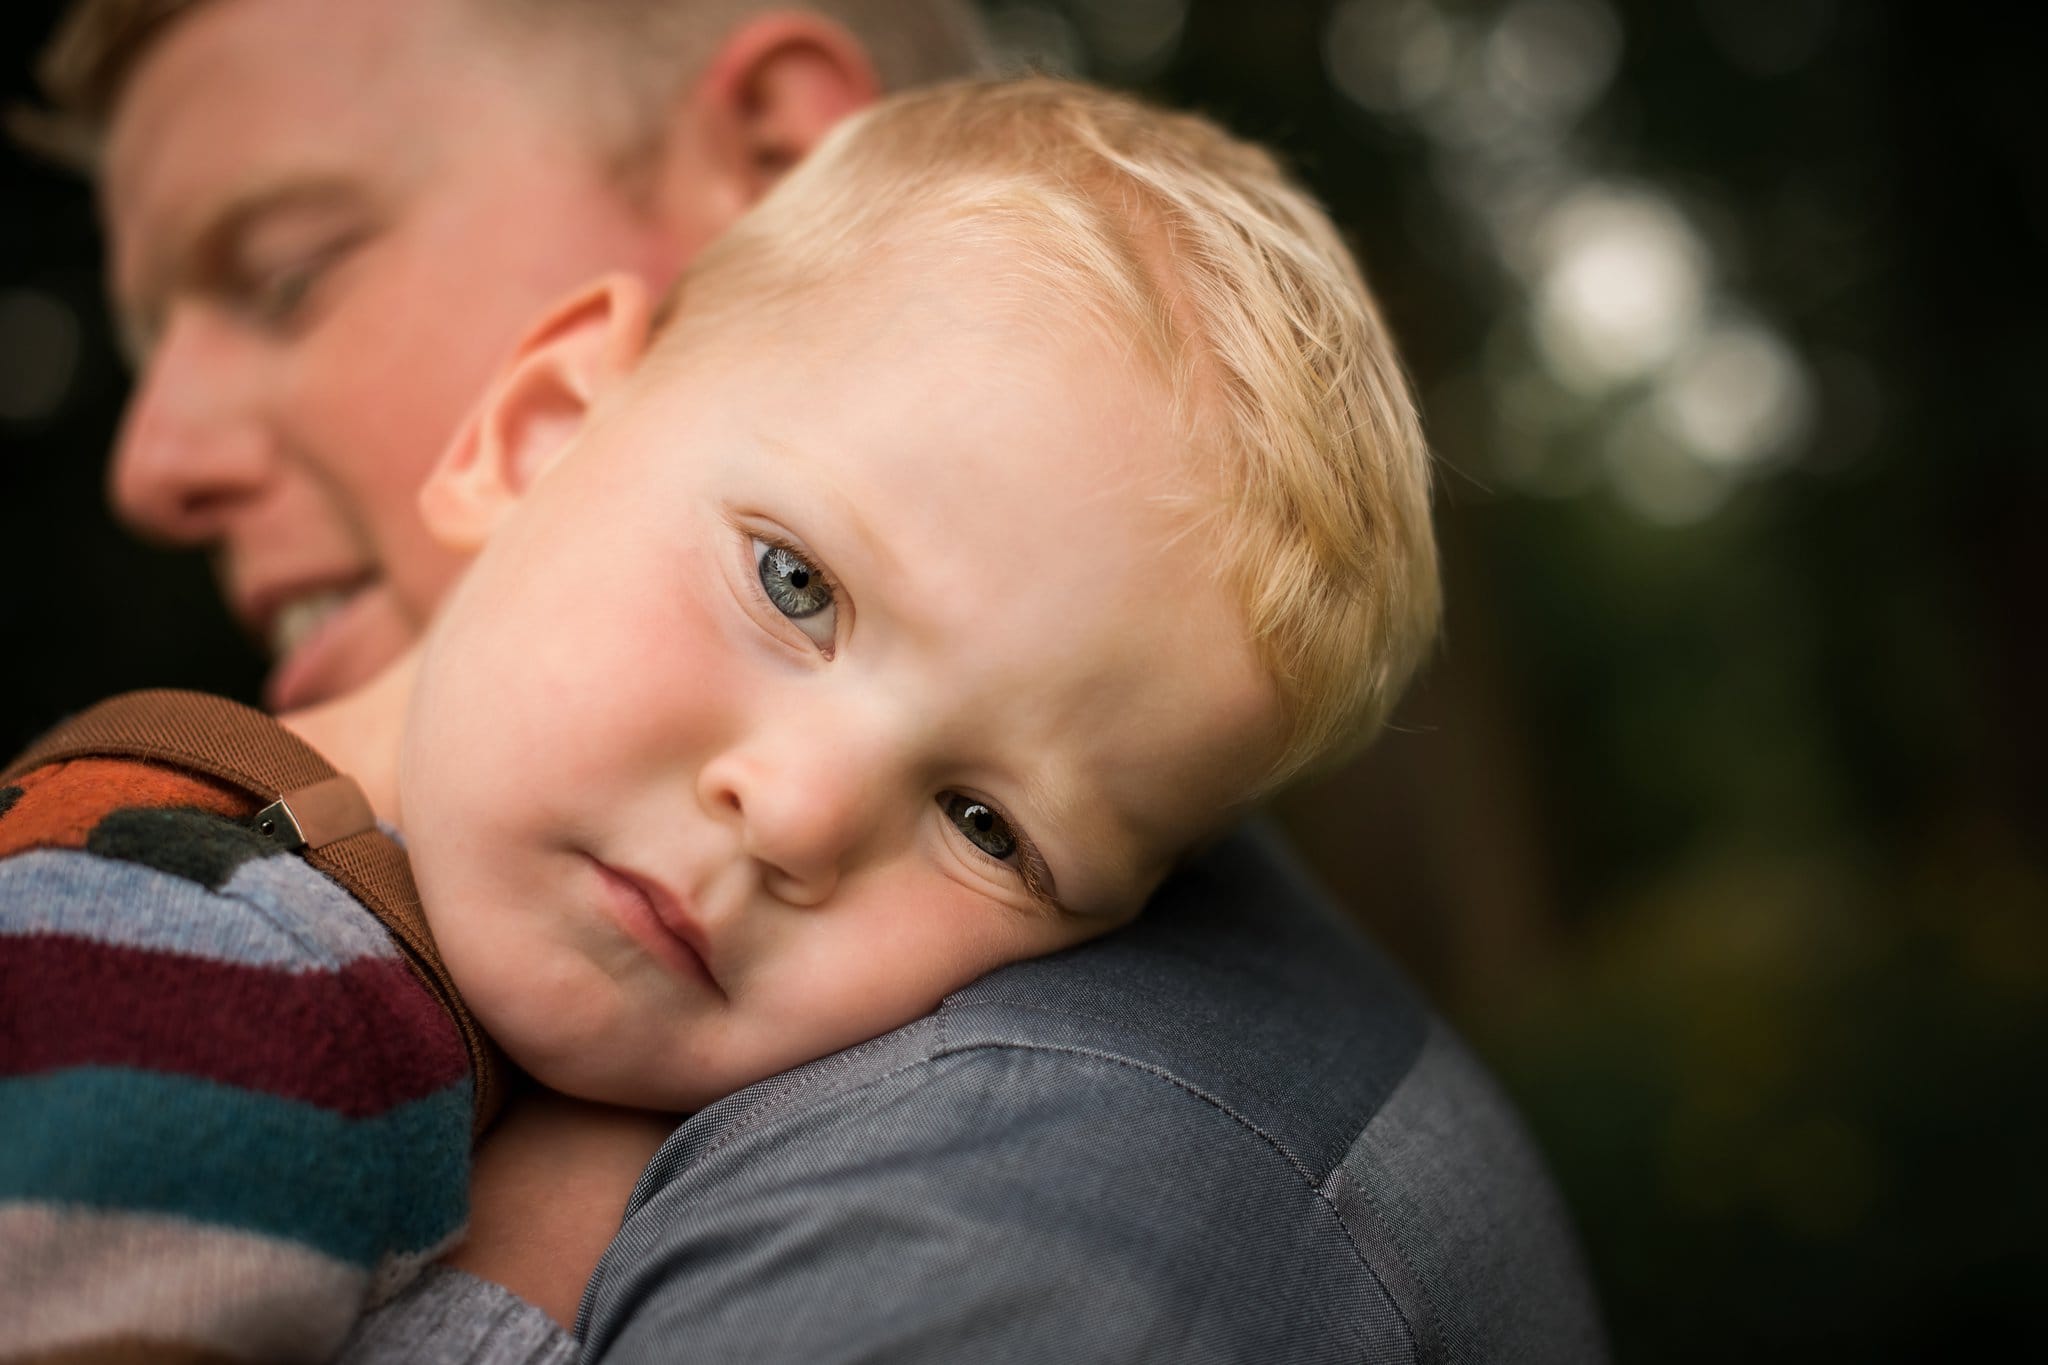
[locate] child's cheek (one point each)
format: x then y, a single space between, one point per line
894 942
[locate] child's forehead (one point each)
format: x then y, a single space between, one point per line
972 354
994 274
952 399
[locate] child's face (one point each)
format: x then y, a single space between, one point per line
787 701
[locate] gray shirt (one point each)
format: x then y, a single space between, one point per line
1230 1132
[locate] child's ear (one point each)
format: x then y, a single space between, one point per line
533 409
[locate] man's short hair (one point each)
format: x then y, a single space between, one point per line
659 47
1306 459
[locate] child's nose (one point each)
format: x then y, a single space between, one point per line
799 820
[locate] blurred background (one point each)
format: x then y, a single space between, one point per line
1717 824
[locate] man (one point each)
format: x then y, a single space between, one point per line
298 376
1231 1133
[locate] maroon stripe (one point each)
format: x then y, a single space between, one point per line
359 1040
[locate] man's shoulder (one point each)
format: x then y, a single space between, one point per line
1238 988
1240 983
1237 1095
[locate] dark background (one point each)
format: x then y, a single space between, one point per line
1717 823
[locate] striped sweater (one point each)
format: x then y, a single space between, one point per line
231 1117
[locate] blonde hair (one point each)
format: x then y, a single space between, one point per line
1238 287
652 50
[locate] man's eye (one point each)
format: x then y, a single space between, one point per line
276 297
798 589
984 827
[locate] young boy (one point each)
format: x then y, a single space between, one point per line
1022 490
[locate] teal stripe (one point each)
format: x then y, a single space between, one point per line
274 912
140 1141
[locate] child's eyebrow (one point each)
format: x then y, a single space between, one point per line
1056 800
882 577
1130 840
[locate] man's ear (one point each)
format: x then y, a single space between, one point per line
534 407
775 86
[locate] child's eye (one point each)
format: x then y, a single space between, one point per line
991 832
983 825
798 589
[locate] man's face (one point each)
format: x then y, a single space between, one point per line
834 665
328 222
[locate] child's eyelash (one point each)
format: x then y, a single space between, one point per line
1031 868
790 547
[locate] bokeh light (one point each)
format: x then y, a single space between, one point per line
1131 40
1624 286
39 354
1390 56
1737 395
1037 37
1552 59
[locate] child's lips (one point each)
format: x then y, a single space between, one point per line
657 919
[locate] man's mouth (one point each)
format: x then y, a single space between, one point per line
321 642
298 618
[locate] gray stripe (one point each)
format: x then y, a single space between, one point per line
274 912
446 1317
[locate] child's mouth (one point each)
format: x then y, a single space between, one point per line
657 921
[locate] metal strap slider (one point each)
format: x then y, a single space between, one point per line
316 815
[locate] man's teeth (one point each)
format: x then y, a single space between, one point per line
299 618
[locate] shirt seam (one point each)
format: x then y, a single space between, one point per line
944 1049
1416 1336
829 1069
1088 1017
1308 1180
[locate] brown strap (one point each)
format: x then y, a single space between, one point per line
245 748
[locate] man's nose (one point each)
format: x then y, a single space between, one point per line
801 813
192 446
